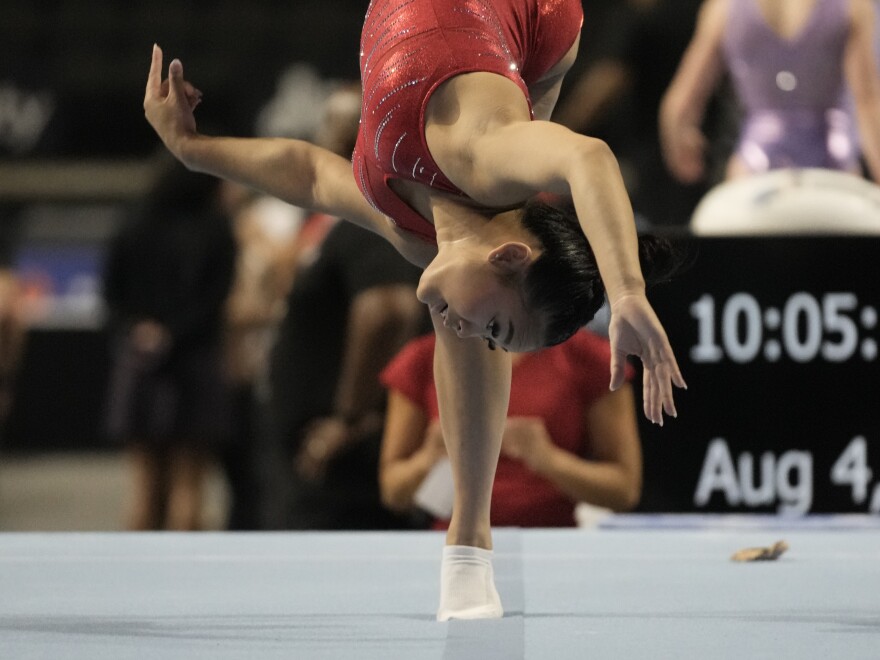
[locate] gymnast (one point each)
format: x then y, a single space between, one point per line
454 146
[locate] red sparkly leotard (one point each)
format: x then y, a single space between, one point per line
410 47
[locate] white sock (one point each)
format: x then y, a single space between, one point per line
467 585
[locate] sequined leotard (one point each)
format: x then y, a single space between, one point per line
792 90
409 47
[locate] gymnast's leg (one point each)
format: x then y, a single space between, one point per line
473 389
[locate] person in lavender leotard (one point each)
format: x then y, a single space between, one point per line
793 65
455 145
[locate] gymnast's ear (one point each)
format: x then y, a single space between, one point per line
511 257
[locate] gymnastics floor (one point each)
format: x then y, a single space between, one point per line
635 587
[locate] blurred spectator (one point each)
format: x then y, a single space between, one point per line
12 340
790 64
349 310
350 307
568 439
631 53
265 230
167 278
12 323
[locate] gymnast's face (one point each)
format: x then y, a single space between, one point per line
479 294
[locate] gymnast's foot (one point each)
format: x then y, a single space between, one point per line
467 585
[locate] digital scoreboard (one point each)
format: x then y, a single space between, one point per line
777 338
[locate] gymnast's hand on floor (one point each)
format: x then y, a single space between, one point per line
636 330
169 104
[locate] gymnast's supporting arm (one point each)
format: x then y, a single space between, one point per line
473 391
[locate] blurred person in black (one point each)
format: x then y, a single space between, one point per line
167 277
12 339
12 323
350 307
616 95
349 311
265 230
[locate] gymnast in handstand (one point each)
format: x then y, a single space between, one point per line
454 146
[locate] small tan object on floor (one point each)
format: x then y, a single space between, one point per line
761 554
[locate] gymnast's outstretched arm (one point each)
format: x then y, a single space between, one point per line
295 171
568 163
473 390
503 157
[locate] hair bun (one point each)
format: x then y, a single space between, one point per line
659 258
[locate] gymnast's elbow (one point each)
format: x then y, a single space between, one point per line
592 155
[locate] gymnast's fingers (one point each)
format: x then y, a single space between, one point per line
154 78
649 395
618 369
193 95
176 87
667 397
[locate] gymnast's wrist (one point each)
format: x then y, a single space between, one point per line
632 286
190 149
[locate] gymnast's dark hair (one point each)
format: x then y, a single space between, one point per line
564 283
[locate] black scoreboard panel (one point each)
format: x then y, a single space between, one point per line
778 340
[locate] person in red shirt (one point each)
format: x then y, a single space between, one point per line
567 438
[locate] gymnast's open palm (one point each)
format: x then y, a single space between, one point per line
169 103
636 330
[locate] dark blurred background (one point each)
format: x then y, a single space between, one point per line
76 153
78 68
77 156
